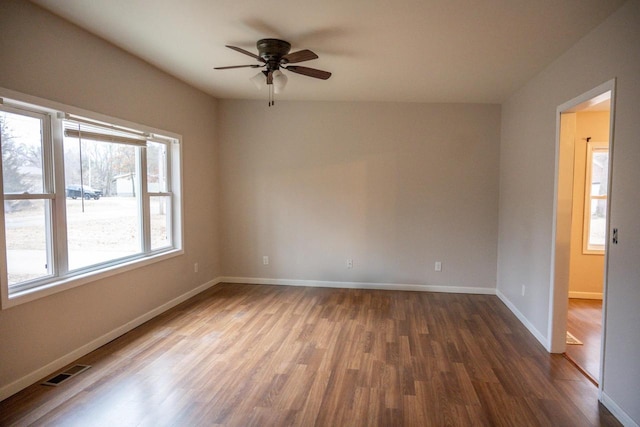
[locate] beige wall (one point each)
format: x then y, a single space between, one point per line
395 187
46 57
527 170
586 270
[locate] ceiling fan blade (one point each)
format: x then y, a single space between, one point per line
237 66
311 72
299 56
246 52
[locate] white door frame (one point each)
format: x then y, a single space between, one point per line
558 301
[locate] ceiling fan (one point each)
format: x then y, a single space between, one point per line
273 55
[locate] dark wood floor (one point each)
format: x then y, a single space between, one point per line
584 321
243 355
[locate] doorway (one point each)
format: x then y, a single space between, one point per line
585 137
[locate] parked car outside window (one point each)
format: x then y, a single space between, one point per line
75 191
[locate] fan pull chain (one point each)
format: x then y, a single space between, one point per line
271 98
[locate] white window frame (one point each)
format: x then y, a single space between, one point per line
587 248
53 176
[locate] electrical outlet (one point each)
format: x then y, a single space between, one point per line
438 266
349 263
265 260
195 267
523 289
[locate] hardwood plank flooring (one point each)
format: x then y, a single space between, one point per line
247 355
584 321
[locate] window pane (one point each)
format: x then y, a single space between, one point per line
598 222
21 153
599 172
156 167
597 197
25 231
102 230
160 222
103 213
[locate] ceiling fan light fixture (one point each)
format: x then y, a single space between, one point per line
279 81
259 80
274 54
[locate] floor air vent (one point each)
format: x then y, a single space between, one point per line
58 379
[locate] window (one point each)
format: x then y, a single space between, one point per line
27 195
82 198
595 216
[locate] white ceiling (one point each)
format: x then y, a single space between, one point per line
377 50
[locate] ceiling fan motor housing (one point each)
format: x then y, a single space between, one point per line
272 51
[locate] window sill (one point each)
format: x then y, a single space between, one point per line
81 279
586 251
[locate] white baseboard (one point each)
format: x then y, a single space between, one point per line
617 412
541 338
68 358
585 295
359 285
